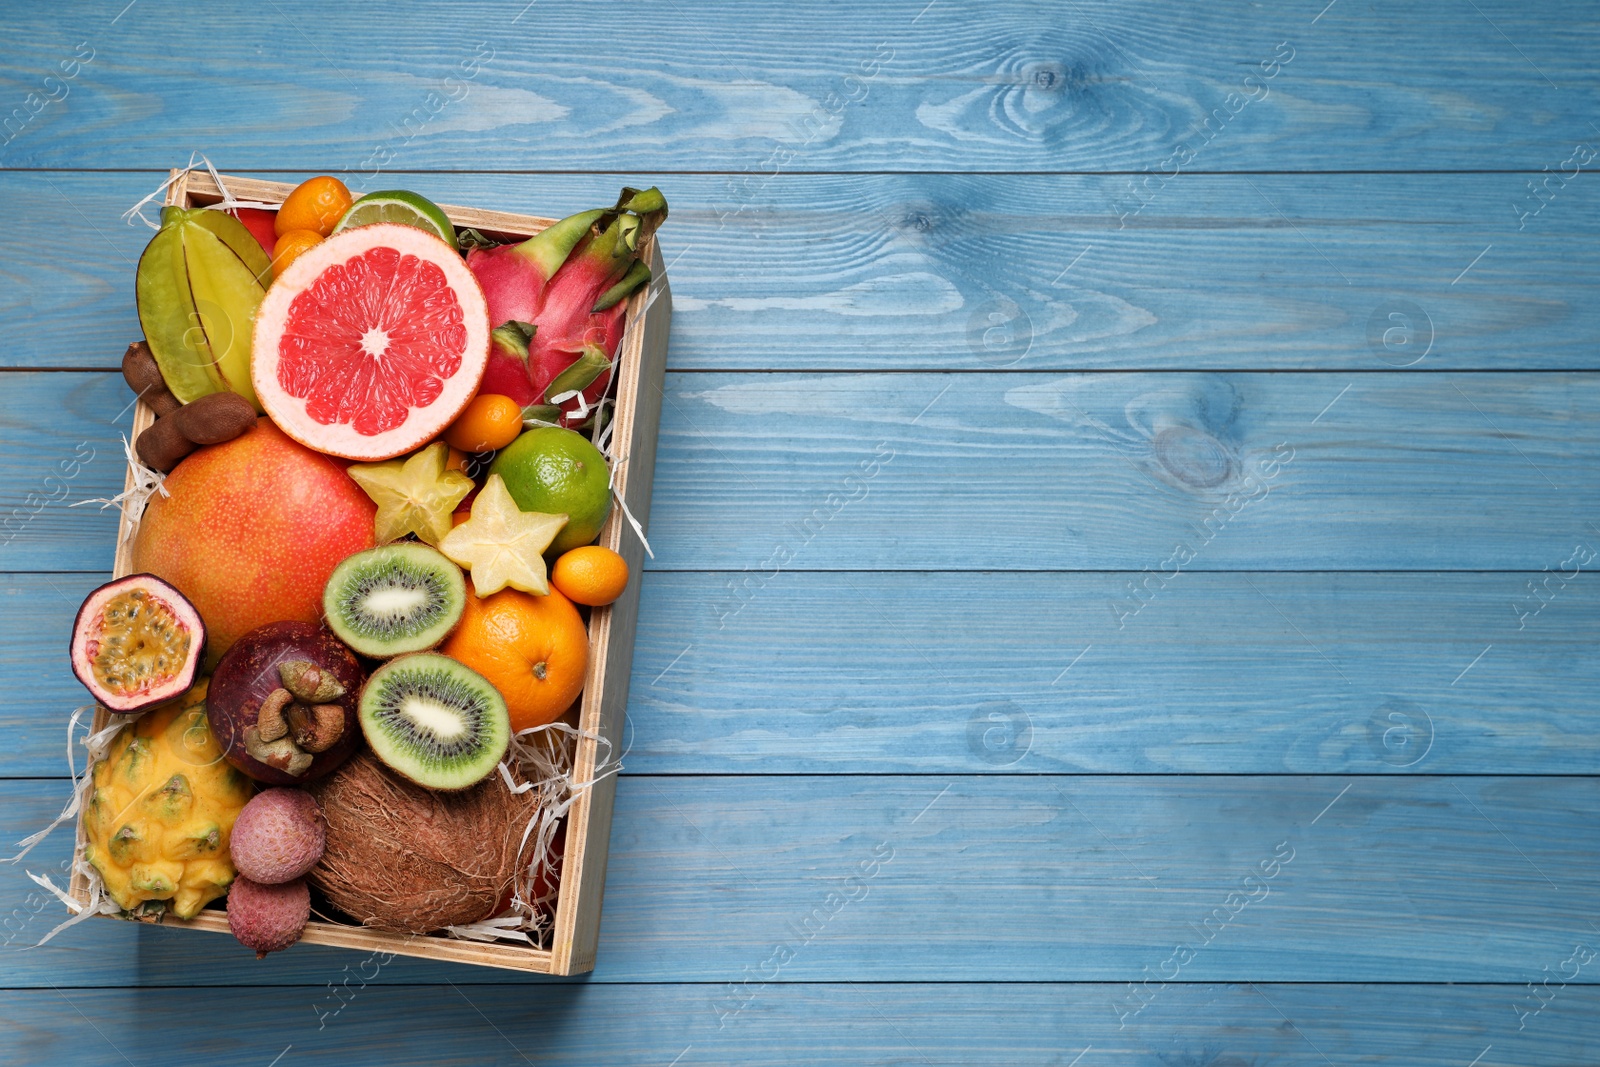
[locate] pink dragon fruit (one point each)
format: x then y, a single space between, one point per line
558 299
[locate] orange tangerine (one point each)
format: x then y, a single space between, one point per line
489 422
591 575
316 204
533 649
291 246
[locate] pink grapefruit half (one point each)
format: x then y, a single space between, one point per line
371 343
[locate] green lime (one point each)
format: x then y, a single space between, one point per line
405 208
556 471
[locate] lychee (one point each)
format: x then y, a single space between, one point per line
268 918
278 836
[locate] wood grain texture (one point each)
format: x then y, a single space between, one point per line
983 272
1068 795
643 362
66 433
757 87
1020 471
861 1024
919 673
909 471
1011 878
1217 673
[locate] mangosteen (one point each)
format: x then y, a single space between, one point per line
278 676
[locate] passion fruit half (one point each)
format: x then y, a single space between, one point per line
136 643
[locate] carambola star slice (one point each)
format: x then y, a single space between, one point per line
501 544
414 495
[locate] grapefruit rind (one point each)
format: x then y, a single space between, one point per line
319 419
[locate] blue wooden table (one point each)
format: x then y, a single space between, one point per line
1127 493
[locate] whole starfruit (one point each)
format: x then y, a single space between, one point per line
161 810
198 285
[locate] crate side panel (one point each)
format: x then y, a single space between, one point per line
577 930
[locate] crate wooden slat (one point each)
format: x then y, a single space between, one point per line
641 366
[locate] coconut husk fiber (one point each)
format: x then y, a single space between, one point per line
408 859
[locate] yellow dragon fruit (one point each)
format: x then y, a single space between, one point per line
162 807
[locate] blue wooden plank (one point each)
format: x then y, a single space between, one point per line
1017 471
981 273
1013 878
999 870
1026 673
65 434
860 1024
765 87
1145 472
35 627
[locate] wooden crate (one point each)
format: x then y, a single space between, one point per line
641 366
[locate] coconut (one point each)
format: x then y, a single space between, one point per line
404 858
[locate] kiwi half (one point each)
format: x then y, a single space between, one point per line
398 598
434 720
